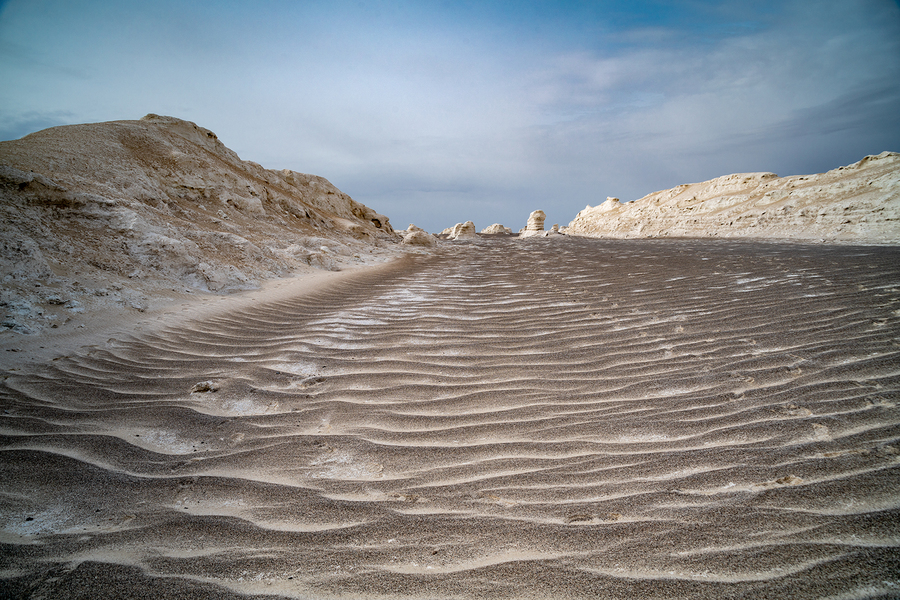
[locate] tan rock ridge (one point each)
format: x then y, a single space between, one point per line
857 203
113 213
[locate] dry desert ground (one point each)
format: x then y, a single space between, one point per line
503 418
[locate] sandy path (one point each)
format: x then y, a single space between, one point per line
554 418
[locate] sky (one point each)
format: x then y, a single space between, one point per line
438 112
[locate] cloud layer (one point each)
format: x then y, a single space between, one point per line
439 112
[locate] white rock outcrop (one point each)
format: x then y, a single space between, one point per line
856 203
535 225
611 203
495 229
461 231
419 237
118 212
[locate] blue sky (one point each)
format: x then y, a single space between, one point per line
435 112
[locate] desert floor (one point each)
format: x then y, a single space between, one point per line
544 418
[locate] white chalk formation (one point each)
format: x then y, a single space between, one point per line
112 214
416 236
535 225
461 231
495 229
859 203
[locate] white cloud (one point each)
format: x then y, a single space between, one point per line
425 113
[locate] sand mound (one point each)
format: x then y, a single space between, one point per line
120 214
575 418
859 203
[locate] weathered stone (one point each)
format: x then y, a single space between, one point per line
205 387
419 238
535 225
496 228
857 203
463 231
160 205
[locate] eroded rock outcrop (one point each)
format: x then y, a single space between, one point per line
857 203
416 236
495 229
535 225
461 231
116 212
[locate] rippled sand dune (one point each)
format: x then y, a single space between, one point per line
551 418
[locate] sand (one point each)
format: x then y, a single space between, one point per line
503 418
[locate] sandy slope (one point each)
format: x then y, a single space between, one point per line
126 216
547 418
859 203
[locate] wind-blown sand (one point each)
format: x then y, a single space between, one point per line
548 418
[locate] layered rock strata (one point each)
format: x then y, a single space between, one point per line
535 225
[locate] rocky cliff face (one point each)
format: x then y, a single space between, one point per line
857 203
115 212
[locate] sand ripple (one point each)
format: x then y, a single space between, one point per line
525 419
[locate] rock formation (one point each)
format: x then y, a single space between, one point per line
461 231
416 236
857 203
419 238
113 213
535 225
495 229
610 204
